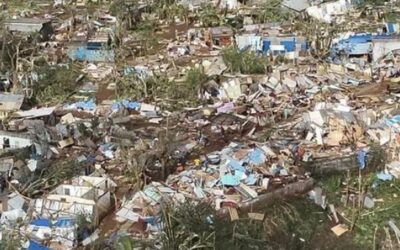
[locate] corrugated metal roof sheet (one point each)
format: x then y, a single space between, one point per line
297 5
11 102
219 31
359 49
25 24
15 201
27 21
32 113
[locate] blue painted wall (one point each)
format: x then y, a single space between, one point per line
290 43
290 46
266 46
83 53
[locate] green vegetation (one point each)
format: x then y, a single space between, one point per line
378 217
370 225
209 16
391 16
187 227
191 226
194 82
272 11
11 239
145 31
160 86
20 4
49 177
322 35
171 11
295 225
268 131
135 166
179 11
377 157
132 86
244 62
56 83
125 243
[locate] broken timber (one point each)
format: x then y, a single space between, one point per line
264 200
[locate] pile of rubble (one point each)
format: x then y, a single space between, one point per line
260 113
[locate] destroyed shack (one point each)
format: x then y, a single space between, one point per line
221 36
370 45
290 46
12 207
296 5
229 4
104 146
191 4
94 49
10 166
10 103
29 25
383 46
330 12
25 119
11 140
89 196
60 233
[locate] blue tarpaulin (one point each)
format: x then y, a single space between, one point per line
384 177
36 246
91 55
142 71
392 121
65 222
361 156
88 105
95 46
230 180
390 28
236 165
131 105
151 220
41 223
304 46
250 180
256 156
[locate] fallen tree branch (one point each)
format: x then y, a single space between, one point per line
264 200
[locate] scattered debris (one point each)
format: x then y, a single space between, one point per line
118 110
339 229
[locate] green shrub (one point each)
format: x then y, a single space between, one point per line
244 62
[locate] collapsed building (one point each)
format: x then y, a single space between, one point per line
112 153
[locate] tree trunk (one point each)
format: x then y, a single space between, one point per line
3 50
16 85
264 200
